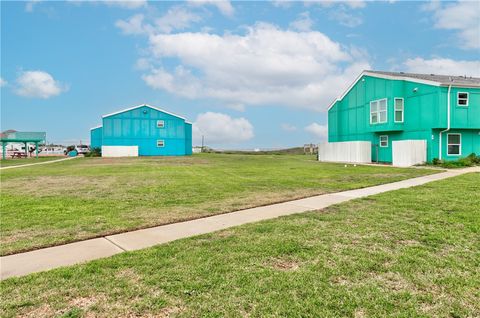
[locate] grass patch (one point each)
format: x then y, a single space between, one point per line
88 197
24 161
408 253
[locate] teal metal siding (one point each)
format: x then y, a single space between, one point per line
188 138
138 127
96 137
425 115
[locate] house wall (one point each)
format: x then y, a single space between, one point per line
425 114
138 127
188 138
96 138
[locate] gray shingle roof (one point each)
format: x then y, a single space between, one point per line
442 79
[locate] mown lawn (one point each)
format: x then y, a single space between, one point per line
408 253
87 197
23 161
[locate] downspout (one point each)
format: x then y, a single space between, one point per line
448 124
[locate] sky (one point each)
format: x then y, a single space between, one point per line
247 74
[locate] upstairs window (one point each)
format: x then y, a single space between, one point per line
160 143
399 110
160 123
378 111
454 144
384 141
462 99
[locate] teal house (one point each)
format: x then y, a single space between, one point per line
142 130
439 114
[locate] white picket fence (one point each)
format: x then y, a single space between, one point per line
406 153
119 151
345 151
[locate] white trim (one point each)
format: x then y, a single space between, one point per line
162 141
468 97
459 145
135 107
395 77
100 126
395 110
188 122
380 141
378 111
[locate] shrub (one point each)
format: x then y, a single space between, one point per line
94 152
436 161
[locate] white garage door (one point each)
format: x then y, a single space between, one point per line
406 153
119 151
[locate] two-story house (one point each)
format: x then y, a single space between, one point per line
384 107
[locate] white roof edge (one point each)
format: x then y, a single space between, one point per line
187 122
399 78
100 126
150 106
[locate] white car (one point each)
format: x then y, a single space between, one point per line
82 149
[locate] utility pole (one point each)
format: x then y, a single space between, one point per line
203 142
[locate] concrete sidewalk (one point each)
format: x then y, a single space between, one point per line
36 163
78 252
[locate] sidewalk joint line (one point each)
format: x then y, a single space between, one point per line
120 247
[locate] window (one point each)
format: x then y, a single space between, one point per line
383 141
160 143
462 99
378 111
160 123
454 144
399 110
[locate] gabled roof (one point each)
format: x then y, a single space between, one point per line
144 105
99 126
429 79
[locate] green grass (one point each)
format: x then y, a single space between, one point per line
408 253
87 197
23 161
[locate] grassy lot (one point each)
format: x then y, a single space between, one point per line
88 197
24 161
409 253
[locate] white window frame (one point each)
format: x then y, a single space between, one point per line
162 143
380 141
458 99
459 145
377 112
161 123
395 110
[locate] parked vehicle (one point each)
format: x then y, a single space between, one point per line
82 149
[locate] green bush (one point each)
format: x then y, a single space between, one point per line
469 161
94 152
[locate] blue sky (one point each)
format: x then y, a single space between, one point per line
248 74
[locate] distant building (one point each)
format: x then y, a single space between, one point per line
142 130
404 118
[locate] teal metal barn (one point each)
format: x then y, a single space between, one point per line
150 130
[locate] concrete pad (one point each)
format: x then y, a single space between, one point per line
166 233
53 257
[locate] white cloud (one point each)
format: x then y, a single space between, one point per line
29 5
442 66
3 82
288 127
221 128
282 3
176 18
134 25
461 16
38 84
266 65
128 4
319 131
353 4
345 18
224 6
303 23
